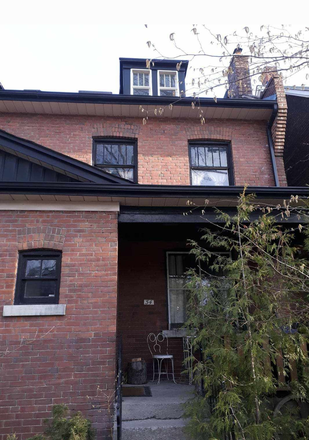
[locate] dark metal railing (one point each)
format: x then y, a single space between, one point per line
119 389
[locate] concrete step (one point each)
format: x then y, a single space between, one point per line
154 429
158 417
151 410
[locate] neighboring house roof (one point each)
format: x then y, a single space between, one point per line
296 150
17 153
297 91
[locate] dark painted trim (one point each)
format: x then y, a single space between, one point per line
271 145
58 160
158 191
98 98
129 214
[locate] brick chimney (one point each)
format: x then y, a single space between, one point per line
273 84
239 75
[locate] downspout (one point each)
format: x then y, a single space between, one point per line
271 145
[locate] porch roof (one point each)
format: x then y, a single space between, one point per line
136 195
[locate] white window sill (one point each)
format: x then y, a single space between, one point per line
34 310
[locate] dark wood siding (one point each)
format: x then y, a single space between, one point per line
296 149
17 169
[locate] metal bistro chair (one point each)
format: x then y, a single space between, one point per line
155 343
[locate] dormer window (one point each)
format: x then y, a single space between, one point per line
141 82
168 83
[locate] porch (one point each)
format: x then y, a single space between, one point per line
147 301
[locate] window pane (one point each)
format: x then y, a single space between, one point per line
216 157
167 93
167 80
141 92
161 80
179 264
177 283
223 157
37 289
173 82
49 268
125 173
130 156
109 154
126 155
115 154
177 306
135 79
194 156
140 79
201 156
33 268
122 155
146 79
209 159
99 154
210 178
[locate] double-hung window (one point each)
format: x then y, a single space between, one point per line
38 277
168 83
141 82
117 157
178 263
210 164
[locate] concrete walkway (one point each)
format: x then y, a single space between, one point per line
156 417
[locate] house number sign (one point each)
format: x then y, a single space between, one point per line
148 302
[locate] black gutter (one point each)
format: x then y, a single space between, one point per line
93 98
159 191
271 145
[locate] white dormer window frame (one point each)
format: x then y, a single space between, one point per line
166 86
138 86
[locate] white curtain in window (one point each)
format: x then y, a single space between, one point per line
210 178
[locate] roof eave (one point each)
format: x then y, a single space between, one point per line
159 191
93 98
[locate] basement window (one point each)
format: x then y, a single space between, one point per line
141 82
211 164
117 157
38 277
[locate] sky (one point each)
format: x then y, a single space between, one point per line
71 46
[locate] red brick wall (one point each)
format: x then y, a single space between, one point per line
162 144
50 360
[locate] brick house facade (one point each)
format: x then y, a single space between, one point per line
113 234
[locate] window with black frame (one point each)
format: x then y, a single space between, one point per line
38 277
117 157
210 164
